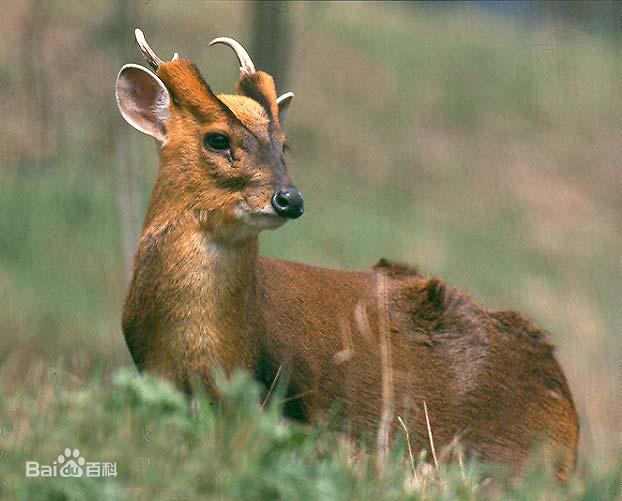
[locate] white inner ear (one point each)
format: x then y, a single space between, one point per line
283 102
143 100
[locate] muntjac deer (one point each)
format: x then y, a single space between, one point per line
202 298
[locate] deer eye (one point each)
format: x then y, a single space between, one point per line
217 141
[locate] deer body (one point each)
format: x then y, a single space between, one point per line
202 298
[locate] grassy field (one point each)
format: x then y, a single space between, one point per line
232 451
484 150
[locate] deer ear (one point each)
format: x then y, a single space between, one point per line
283 102
143 100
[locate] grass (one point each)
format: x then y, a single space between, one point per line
232 450
480 148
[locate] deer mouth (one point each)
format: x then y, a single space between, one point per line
262 219
265 220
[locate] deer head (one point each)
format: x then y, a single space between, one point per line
221 156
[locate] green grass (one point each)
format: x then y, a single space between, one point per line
59 243
231 450
478 148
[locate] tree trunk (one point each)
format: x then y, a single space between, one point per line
271 40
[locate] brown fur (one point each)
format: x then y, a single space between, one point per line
202 298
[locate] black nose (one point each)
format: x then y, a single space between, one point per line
288 202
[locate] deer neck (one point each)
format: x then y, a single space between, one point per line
228 275
222 279
215 315
218 273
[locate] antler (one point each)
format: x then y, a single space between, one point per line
151 57
246 63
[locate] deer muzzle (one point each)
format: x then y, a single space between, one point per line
288 202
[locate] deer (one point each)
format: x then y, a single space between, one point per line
376 343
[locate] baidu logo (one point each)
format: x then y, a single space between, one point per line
71 464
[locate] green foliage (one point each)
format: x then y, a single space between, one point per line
232 450
149 394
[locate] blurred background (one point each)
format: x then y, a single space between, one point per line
481 142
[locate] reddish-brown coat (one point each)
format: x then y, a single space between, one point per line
202 298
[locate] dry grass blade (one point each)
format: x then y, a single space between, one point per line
410 451
271 389
387 377
345 354
427 422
